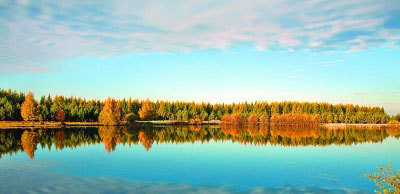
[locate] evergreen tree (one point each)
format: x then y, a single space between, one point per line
147 111
110 114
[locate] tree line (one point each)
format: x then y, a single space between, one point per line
112 111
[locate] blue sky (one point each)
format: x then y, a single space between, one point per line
213 51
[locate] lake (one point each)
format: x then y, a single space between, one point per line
194 159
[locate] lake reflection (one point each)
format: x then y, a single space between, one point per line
195 159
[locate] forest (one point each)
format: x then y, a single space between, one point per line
15 140
75 109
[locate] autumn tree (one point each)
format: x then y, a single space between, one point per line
264 119
234 119
79 109
111 113
60 116
253 119
295 119
147 111
394 123
29 110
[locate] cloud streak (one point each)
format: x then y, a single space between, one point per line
38 179
37 33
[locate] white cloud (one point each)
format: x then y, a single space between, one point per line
41 32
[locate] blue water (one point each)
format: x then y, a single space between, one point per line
209 167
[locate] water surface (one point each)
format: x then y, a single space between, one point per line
203 159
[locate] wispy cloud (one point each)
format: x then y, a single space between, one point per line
11 181
332 63
40 32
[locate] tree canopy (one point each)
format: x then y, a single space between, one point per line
80 109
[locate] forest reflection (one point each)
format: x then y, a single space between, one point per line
28 140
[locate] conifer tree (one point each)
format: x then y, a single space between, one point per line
147 111
110 114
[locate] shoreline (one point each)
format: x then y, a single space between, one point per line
345 125
16 124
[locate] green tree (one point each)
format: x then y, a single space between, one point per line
212 116
131 118
204 115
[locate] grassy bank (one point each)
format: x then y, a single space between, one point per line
15 124
24 124
345 125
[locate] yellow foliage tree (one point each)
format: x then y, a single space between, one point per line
147 111
111 112
29 110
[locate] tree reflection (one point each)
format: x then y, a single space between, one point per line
29 141
295 132
146 138
60 135
232 130
111 136
13 141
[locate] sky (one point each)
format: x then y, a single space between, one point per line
212 51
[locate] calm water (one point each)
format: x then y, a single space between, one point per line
207 159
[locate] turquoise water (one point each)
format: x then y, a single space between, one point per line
194 159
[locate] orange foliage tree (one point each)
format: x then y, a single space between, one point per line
394 123
111 112
60 116
295 119
225 119
147 111
234 119
264 119
253 119
29 110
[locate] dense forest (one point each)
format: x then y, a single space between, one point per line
47 108
15 140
